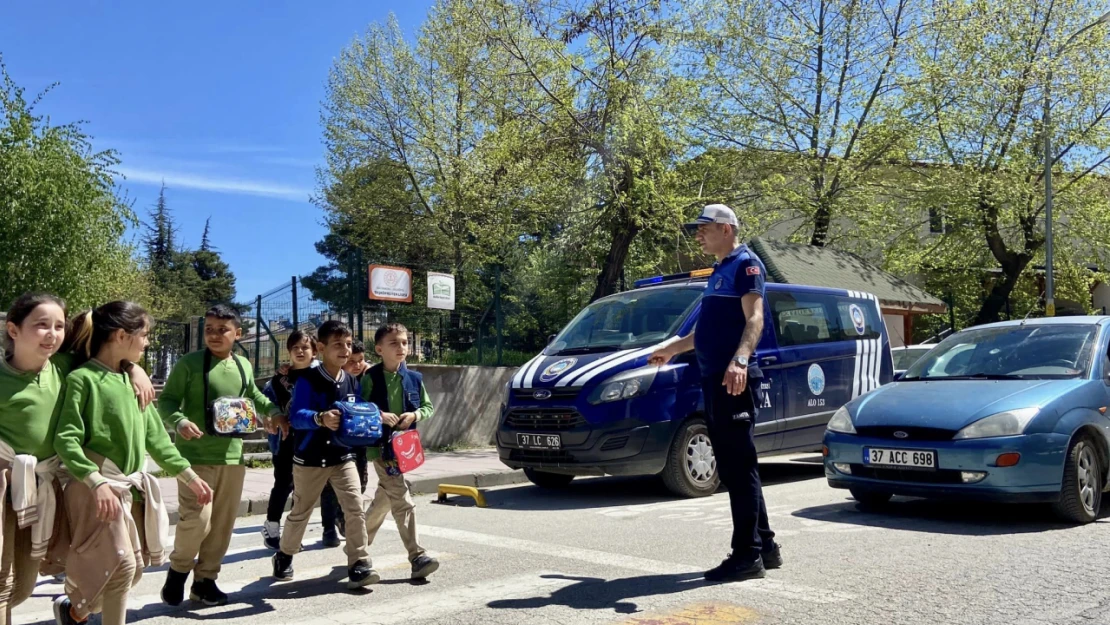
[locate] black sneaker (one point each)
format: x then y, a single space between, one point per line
736 570
331 539
423 566
772 559
360 574
173 591
63 615
283 566
205 591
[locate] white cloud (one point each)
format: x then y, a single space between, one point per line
215 184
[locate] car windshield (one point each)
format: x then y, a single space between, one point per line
903 358
1028 352
627 320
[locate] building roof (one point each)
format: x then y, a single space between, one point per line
792 263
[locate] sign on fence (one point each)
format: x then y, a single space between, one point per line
441 291
391 284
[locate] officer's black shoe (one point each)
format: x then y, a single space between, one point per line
173 591
772 558
205 591
736 570
423 566
331 539
283 566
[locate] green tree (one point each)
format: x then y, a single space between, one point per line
984 68
61 221
217 282
599 77
809 92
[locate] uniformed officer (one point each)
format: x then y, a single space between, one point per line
724 340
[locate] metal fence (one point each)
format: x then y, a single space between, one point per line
169 341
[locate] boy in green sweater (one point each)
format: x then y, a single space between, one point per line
400 395
204 531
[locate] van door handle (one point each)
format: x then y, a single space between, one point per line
769 360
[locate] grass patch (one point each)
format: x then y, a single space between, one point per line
454 447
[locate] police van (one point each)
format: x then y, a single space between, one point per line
589 404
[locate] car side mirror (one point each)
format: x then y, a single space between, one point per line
898 376
550 339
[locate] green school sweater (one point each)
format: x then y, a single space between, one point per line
396 402
183 398
99 413
29 403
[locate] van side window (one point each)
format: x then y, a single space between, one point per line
856 316
801 321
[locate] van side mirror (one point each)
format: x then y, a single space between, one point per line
898 375
550 339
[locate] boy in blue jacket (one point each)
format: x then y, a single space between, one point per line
319 459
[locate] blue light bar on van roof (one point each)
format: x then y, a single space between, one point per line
686 275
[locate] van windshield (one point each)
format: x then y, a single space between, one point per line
627 320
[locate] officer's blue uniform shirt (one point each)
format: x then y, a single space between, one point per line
721 322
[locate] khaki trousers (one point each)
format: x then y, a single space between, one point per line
308 483
112 602
393 495
18 570
204 532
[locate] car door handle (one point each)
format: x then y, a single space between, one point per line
769 360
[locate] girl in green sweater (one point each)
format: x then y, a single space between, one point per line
30 385
103 438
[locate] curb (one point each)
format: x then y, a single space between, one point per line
418 486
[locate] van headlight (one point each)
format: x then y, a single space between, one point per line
841 422
1009 423
624 386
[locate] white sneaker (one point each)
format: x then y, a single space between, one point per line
271 535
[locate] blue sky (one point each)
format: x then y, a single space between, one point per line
220 100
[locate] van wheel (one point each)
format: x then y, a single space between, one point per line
544 479
691 469
1081 490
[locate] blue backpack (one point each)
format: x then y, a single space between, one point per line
360 424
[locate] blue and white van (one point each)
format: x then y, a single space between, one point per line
589 404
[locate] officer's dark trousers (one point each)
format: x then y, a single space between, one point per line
731 430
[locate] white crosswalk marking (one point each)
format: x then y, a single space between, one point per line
633 563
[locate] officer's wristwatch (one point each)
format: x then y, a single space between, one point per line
741 360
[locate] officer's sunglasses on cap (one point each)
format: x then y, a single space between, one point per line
692 227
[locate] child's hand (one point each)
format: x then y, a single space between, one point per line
283 369
107 504
390 419
189 430
330 419
144 388
202 490
407 419
280 423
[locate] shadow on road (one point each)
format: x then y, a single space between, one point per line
603 492
965 518
591 593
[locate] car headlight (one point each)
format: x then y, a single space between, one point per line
1009 423
841 422
624 386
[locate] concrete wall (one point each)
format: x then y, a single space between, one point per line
467 402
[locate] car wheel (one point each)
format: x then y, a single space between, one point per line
1081 490
691 469
543 479
870 498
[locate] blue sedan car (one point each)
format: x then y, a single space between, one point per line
1010 412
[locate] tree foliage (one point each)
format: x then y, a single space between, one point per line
61 219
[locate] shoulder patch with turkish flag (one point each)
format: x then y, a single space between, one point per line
753 270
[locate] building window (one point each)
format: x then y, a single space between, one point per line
937 223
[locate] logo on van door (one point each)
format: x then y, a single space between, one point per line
816 378
858 320
557 368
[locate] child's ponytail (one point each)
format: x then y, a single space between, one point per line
79 338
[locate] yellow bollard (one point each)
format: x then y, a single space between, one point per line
465 491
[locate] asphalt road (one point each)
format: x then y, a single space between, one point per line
616 550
